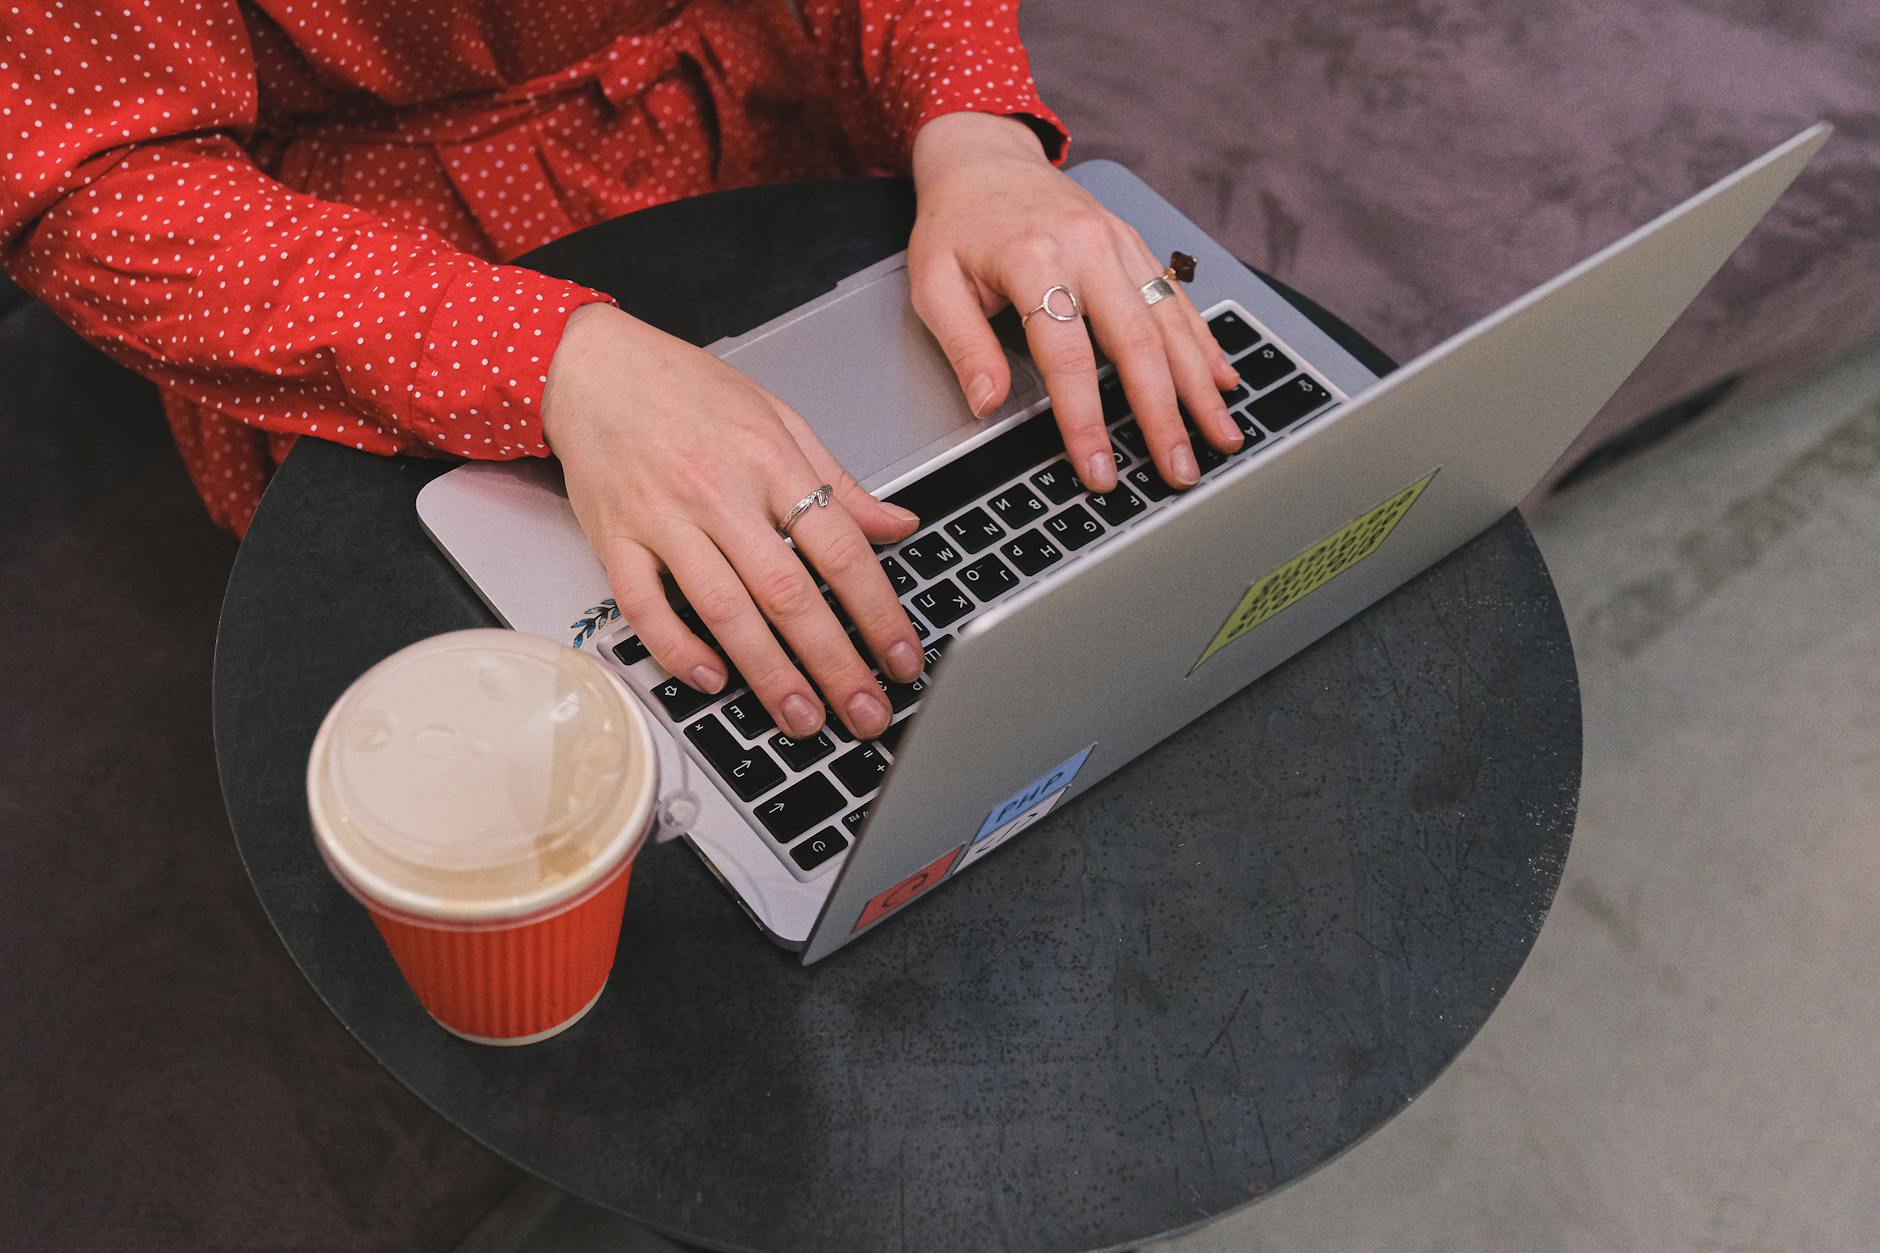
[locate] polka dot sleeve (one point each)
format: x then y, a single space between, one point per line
917 59
127 206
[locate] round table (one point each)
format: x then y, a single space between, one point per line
1218 970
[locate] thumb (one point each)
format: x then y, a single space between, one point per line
945 300
881 523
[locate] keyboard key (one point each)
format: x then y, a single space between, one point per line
1206 458
799 807
1073 527
1058 482
891 738
1018 506
832 725
929 554
747 716
903 695
988 578
898 576
854 819
1031 552
1130 436
747 768
1119 506
679 701
935 650
1230 399
1146 480
630 650
1263 368
1232 333
1255 436
983 469
802 754
1123 460
1288 403
1115 402
819 848
943 603
860 769
975 530
921 629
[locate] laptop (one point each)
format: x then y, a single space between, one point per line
1067 633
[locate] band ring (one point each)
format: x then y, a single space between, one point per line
1181 268
818 499
1156 290
1044 306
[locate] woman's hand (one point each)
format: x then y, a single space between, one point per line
997 224
675 461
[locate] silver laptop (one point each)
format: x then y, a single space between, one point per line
1066 633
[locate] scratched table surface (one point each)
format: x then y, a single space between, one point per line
1212 974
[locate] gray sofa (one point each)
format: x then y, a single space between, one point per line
1414 164
172 1082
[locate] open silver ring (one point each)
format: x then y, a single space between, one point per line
1044 306
818 499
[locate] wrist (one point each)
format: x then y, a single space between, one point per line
952 138
571 364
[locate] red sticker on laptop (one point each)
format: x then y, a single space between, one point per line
907 889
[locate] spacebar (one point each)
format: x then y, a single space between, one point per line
971 476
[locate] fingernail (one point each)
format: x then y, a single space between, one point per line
1182 462
904 516
1228 429
708 678
903 662
1100 471
979 395
801 715
868 715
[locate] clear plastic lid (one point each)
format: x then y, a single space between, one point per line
481 776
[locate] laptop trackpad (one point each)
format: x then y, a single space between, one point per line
861 367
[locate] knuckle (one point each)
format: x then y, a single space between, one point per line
1070 356
786 593
1088 228
1141 337
846 556
1040 248
719 603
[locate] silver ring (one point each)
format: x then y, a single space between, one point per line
1044 306
1156 290
818 499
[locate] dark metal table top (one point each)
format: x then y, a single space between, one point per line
1219 969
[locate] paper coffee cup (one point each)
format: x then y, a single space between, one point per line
483 794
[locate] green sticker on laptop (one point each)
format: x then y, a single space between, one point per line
1318 564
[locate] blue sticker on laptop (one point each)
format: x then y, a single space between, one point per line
1024 808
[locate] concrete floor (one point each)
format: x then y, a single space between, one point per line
1690 1062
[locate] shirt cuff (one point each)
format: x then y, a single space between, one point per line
976 76
479 383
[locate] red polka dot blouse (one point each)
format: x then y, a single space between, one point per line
291 214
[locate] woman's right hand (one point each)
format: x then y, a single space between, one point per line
675 461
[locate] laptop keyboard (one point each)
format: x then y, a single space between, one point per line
996 518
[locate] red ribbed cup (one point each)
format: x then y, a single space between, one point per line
483 795
512 985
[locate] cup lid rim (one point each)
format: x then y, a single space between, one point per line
375 891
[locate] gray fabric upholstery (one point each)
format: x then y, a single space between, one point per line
1414 164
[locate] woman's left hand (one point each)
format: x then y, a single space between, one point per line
997 224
